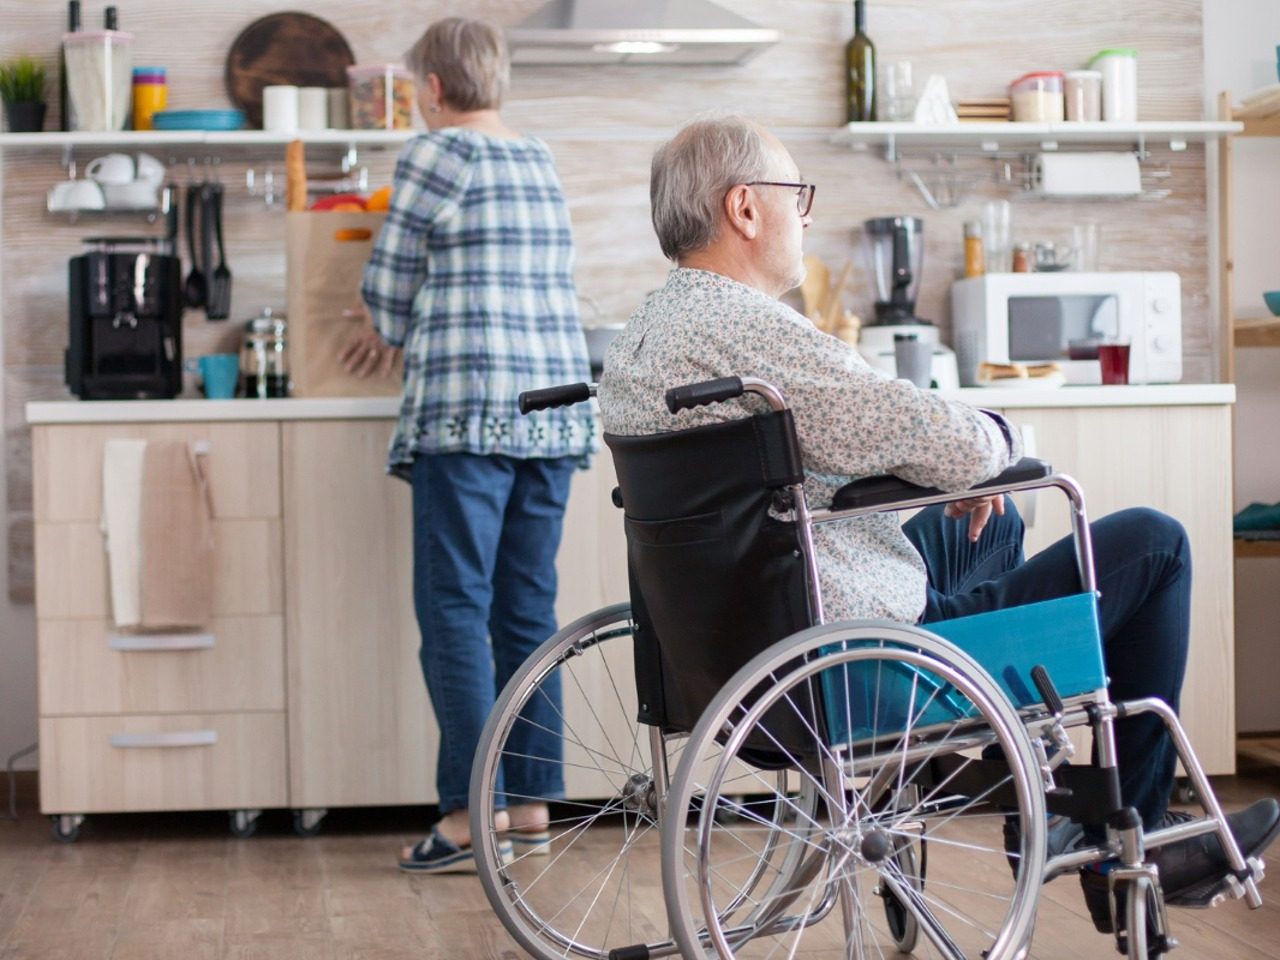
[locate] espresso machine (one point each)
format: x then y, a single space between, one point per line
895 251
125 339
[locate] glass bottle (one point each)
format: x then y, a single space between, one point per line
1022 258
860 63
973 264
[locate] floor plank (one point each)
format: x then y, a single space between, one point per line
149 887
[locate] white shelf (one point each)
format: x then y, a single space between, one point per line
991 137
246 138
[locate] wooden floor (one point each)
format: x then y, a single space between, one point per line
178 887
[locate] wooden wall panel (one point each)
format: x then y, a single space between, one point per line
979 46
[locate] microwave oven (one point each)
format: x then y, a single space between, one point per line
1062 317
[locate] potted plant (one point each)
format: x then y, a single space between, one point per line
22 90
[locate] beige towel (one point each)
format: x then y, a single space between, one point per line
121 514
176 535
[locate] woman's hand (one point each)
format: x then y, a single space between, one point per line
366 352
979 510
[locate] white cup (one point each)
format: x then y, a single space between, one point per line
150 170
111 168
280 108
137 195
68 195
313 108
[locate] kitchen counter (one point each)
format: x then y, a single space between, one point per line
386 408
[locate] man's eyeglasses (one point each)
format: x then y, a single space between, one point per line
804 192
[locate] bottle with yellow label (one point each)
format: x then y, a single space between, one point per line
150 92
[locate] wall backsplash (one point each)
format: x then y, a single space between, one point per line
795 85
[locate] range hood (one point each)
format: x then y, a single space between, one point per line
636 31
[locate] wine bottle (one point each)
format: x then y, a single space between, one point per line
860 58
73 25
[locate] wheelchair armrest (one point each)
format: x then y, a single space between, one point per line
882 491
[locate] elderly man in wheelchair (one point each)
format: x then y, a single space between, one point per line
835 713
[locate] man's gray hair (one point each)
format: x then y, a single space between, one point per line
470 58
693 171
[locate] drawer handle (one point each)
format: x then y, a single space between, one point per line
160 641
179 738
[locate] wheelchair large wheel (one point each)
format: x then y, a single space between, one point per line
922 760
591 886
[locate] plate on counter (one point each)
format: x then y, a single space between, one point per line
197 120
1026 383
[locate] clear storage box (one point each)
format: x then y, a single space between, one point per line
381 97
1082 91
1037 97
99 79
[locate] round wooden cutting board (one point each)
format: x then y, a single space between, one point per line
290 48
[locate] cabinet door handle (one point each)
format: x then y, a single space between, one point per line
160 641
177 738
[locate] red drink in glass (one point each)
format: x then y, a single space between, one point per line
1114 360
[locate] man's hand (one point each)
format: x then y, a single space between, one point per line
366 353
979 510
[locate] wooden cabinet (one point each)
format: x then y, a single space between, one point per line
1176 459
136 722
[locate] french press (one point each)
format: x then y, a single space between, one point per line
264 358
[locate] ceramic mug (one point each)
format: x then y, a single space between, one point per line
149 169
219 374
111 168
68 195
135 195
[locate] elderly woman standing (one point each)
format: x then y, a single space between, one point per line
472 276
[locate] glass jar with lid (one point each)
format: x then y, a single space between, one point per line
264 357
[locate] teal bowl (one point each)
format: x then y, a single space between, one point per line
1273 301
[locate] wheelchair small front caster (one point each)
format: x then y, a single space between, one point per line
66 826
244 823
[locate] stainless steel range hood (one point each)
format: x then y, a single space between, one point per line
636 31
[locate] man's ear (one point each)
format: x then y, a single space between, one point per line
741 213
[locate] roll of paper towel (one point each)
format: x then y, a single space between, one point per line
1086 174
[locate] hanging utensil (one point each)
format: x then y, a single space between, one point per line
206 245
196 286
219 307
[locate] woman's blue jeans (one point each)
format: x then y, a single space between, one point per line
485 534
1143 566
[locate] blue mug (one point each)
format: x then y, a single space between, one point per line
219 374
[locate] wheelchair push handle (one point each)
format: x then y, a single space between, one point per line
562 396
700 394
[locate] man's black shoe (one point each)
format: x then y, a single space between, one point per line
1190 870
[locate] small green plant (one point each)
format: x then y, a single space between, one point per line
22 81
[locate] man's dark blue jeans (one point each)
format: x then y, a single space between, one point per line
1143 565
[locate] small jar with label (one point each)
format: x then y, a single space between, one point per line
1022 258
1119 68
150 94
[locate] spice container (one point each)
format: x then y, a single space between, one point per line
98 79
1022 258
150 94
1119 68
1082 91
1037 97
381 98
973 260
264 357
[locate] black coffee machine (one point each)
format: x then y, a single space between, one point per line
126 320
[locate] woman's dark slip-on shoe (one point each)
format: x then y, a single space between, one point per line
1192 871
435 854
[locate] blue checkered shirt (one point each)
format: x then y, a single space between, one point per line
472 275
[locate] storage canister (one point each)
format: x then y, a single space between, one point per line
1119 68
99 71
1037 97
1082 91
150 93
381 98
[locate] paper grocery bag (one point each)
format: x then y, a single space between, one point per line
325 257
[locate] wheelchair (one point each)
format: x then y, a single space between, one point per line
894 781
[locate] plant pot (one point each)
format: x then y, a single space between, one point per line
25 116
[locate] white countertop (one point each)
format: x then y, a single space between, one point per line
386 408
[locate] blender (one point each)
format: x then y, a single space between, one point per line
895 248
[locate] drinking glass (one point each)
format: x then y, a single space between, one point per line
1086 240
899 91
997 235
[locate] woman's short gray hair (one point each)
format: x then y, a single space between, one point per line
470 58
693 171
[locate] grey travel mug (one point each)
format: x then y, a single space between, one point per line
913 358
